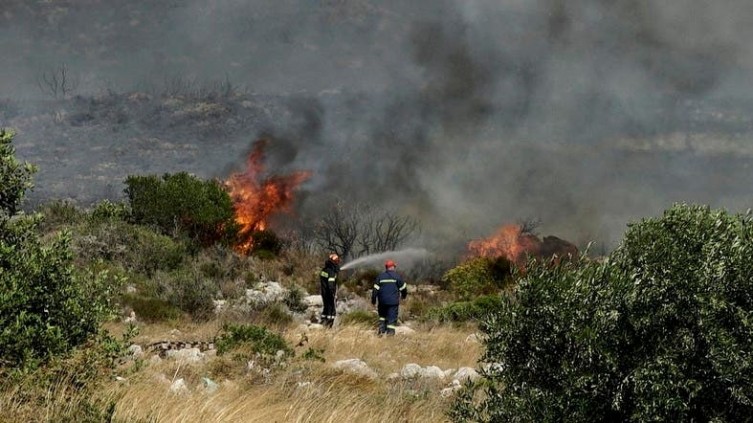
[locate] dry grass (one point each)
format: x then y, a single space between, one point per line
304 391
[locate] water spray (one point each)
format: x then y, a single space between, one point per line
407 255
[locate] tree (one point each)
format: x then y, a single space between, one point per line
183 204
662 330
353 229
44 309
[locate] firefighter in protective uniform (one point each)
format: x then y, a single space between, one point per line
389 288
328 285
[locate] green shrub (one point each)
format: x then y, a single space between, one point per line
294 299
182 204
359 317
107 210
136 248
188 290
45 310
58 214
275 314
259 339
661 331
151 309
477 309
478 276
313 354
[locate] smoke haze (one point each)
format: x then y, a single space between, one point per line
467 114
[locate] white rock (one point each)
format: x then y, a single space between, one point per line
136 351
155 359
466 373
404 330
449 372
179 387
219 306
304 384
410 370
121 379
161 378
355 366
393 376
189 355
265 293
432 372
131 317
448 392
313 300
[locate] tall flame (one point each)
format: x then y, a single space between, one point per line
509 242
256 197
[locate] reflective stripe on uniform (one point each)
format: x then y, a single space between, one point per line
376 287
331 279
324 274
381 319
405 286
390 326
388 281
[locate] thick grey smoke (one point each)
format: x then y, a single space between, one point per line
468 114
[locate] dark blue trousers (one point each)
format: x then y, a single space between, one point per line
387 318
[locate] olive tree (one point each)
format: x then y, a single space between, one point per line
661 330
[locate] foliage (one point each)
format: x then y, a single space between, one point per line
314 354
266 244
181 204
478 276
45 310
662 330
187 289
461 311
359 317
260 339
136 248
150 309
108 210
58 214
294 299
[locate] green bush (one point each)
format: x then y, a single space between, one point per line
108 210
259 339
182 204
661 331
266 244
359 317
478 276
294 299
45 310
462 311
58 214
136 248
188 290
151 309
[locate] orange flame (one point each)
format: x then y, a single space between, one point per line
509 242
257 197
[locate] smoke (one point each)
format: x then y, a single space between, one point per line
466 114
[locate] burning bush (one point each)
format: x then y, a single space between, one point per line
518 246
661 331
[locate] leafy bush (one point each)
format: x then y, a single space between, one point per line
44 309
151 309
266 244
477 309
294 299
183 204
57 214
661 331
359 317
478 276
138 249
108 210
260 339
187 289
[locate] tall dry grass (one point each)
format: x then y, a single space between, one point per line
305 391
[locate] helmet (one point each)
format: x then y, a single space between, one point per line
334 258
389 263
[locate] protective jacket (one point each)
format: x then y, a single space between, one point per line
328 284
389 288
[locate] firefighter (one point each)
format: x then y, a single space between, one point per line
389 288
328 284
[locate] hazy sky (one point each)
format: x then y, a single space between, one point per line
467 113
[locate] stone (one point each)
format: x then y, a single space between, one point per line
136 351
210 386
179 387
190 355
355 366
466 373
432 372
404 330
313 301
410 370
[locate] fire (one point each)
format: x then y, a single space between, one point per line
256 196
517 246
509 242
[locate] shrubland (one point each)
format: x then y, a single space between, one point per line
658 330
